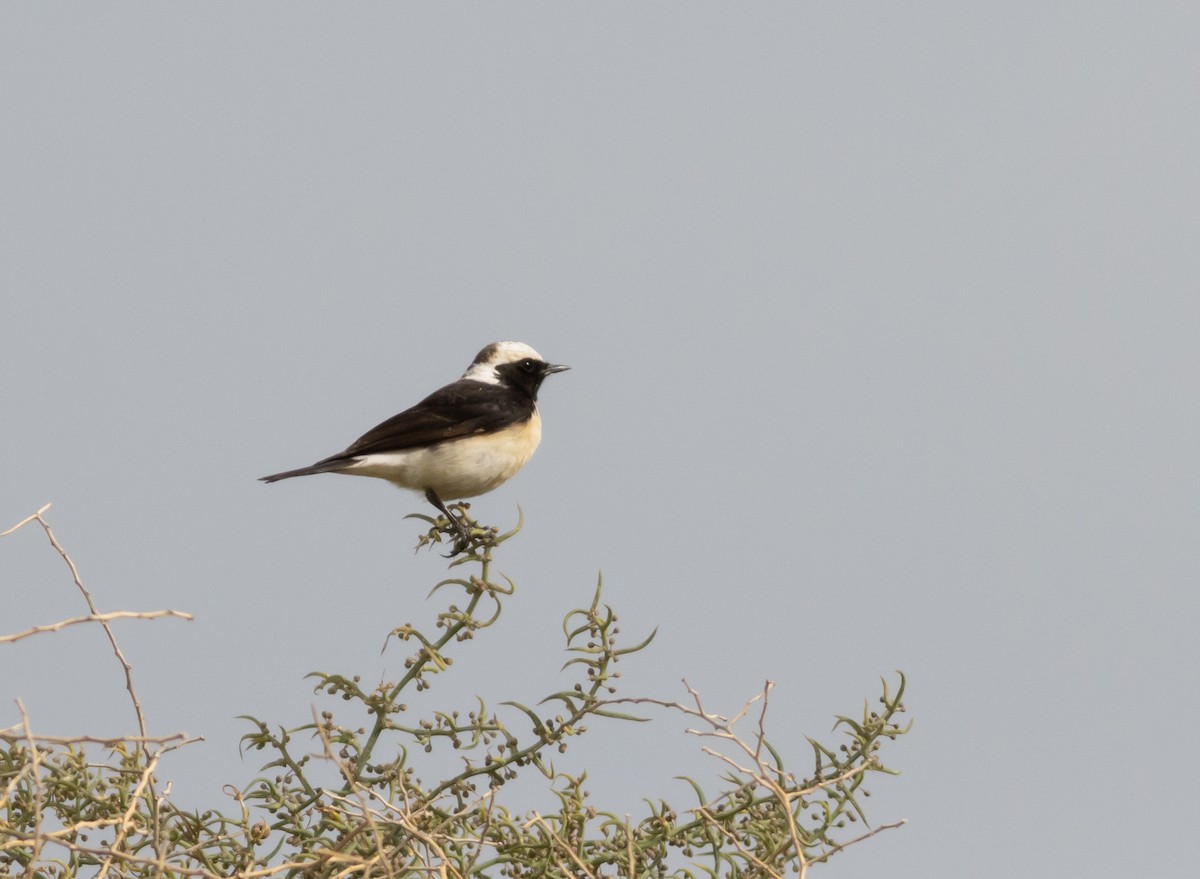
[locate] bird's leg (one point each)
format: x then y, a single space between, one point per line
464 540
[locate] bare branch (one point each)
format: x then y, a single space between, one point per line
842 846
112 638
25 521
95 618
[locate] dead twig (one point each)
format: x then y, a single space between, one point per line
95 618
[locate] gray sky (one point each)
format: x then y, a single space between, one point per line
882 319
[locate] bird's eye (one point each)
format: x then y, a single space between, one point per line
528 365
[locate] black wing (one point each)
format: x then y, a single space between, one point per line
463 408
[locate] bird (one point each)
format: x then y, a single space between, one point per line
461 441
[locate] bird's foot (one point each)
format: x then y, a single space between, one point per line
462 542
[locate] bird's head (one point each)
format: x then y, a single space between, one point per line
514 364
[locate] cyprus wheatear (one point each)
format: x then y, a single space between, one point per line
462 440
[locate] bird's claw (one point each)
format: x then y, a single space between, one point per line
462 543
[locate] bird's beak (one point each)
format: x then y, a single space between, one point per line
555 367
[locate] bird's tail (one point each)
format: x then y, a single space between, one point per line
319 467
